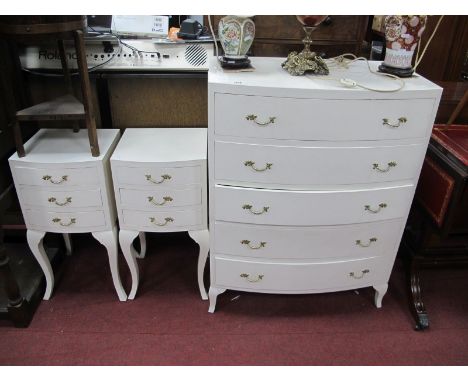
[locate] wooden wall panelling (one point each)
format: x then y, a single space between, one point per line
150 102
278 35
444 57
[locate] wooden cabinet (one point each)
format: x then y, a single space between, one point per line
63 189
310 183
160 186
437 229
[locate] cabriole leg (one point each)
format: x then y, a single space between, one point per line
35 242
109 240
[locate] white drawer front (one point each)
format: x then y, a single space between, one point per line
344 241
319 119
65 221
51 198
160 198
168 220
56 177
278 207
299 277
289 165
158 176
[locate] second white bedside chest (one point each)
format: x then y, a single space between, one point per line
160 186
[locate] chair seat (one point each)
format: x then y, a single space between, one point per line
66 107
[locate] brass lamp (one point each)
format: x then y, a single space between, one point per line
298 64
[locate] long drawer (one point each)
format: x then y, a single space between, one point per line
299 277
51 198
308 165
279 207
158 176
160 198
320 119
169 220
56 177
53 221
321 242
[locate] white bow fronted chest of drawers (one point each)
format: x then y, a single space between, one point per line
63 188
161 186
310 183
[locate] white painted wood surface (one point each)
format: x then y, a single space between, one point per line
317 119
160 199
62 188
297 277
309 165
160 184
314 243
308 207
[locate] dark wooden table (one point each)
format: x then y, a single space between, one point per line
437 230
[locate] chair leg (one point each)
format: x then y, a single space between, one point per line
18 139
67 75
86 92
65 69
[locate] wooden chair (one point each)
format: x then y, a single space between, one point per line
27 29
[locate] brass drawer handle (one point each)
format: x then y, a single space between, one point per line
376 166
251 280
51 180
374 211
166 199
59 221
401 120
249 207
253 117
68 200
163 178
371 240
247 243
166 221
251 164
363 273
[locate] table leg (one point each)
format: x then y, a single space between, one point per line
109 240
68 243
203 240
213 293
417 305
35 242
380 291
142 253
126 238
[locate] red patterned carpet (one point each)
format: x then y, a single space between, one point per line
168 323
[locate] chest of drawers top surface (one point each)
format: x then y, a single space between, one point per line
269 74
62 146
162 145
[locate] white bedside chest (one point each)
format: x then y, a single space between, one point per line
160 186
310 182
63 188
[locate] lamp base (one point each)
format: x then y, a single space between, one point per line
297 64
399 72
234 63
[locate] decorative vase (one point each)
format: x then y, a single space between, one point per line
236 34
402 35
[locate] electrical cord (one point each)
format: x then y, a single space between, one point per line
134 49
214 39
343 62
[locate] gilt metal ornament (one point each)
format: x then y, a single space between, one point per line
297 64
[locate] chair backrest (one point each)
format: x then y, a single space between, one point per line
22 26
